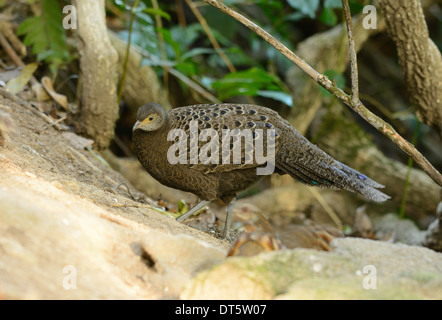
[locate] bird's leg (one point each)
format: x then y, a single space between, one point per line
226 233
200 205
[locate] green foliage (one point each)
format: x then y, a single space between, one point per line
141 8
305 8
46 36
252 82
327 13
189 50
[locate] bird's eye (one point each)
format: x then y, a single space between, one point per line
151 118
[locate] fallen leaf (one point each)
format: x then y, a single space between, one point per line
17 84
182 207
61 99
40 92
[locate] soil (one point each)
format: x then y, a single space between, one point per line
35 153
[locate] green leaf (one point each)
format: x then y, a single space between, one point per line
157 63
196 52
328 17
333 4
46 36
306 7
247 82
159 12
187 68
171 42
278 96
186 36
355 6
295 16
143 34
182 207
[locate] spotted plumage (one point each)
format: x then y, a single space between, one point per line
294 154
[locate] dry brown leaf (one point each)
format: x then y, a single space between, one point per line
40 92
61 99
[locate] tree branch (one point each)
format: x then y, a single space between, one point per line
325 82
353 55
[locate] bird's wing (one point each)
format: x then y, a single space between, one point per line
242 136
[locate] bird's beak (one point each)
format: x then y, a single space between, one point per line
135 125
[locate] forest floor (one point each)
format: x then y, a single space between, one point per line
67 232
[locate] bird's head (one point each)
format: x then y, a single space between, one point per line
150 117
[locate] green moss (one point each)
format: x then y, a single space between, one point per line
338 124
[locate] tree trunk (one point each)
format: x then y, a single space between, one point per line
337 132
420 59
142 85
98 82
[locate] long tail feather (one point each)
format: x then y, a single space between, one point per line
334 175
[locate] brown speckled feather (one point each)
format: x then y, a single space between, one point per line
221 117
294 154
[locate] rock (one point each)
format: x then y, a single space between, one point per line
404 230
7 126
388 271
66 232
59 248
433 235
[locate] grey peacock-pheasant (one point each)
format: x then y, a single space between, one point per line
293 153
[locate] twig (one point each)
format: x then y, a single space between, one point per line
407 179
162 47
331 213
325 82
382 109
353 56
202 21
123 146
177 74
269 38
375 121
13 55
126 59
56 122
195 86
83 158
37 110
7 30
127 188
180 13
210 35
10 51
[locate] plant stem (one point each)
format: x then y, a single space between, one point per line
407 179
126 58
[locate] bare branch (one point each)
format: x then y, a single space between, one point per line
325 82
353 56
210 35
13 55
